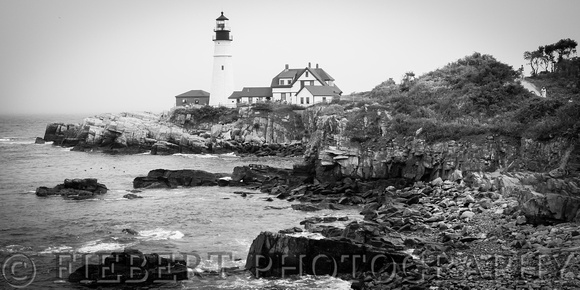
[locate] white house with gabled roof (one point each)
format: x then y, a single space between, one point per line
305 86
289 82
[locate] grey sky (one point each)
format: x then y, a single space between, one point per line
83 56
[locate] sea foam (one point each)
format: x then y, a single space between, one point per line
161 234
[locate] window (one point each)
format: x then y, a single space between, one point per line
222 67
301 100
289 81
308 100
281 82
306 74
283 97
311 83
250 100
324 99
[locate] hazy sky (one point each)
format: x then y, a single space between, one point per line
88 56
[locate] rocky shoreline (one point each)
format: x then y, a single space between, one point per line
486 212
442 233
131 133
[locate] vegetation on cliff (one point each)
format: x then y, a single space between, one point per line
205 114
472 96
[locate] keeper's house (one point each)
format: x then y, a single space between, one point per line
305 86
192 98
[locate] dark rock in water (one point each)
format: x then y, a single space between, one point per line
70 142
291 230
225 181
39 141
74 189
163 178
131 267
130 232
278 255
304 207
165 148
265 174
132 196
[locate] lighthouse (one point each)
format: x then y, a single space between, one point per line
222 85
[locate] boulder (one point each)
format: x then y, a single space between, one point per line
74 189
305 207
542 199
163 178
279 255
131 267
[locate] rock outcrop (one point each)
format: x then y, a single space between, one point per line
74 189
131 267
258 134
543 197
163 178
279 255
339 152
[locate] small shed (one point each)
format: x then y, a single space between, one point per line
192 98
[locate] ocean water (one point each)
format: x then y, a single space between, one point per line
48 232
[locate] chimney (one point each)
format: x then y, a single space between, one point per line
316 65
286 66
309 65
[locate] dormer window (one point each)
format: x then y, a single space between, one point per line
288 82
281 82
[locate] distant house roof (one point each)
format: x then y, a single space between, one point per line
194 93
322 90
293 73
259 92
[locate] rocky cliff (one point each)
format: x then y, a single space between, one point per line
357 143
257 132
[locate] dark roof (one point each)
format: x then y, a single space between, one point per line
322 74
322 90
235 95
222 17
293 73
252 92
194 93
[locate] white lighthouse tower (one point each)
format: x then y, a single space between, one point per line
222 85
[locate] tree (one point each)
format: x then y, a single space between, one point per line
534 59
550 54
543 58
565 47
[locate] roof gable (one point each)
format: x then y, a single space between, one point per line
285 74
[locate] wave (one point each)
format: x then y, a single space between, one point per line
161 234
196 155
56 249
99 246
15 249
314 236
